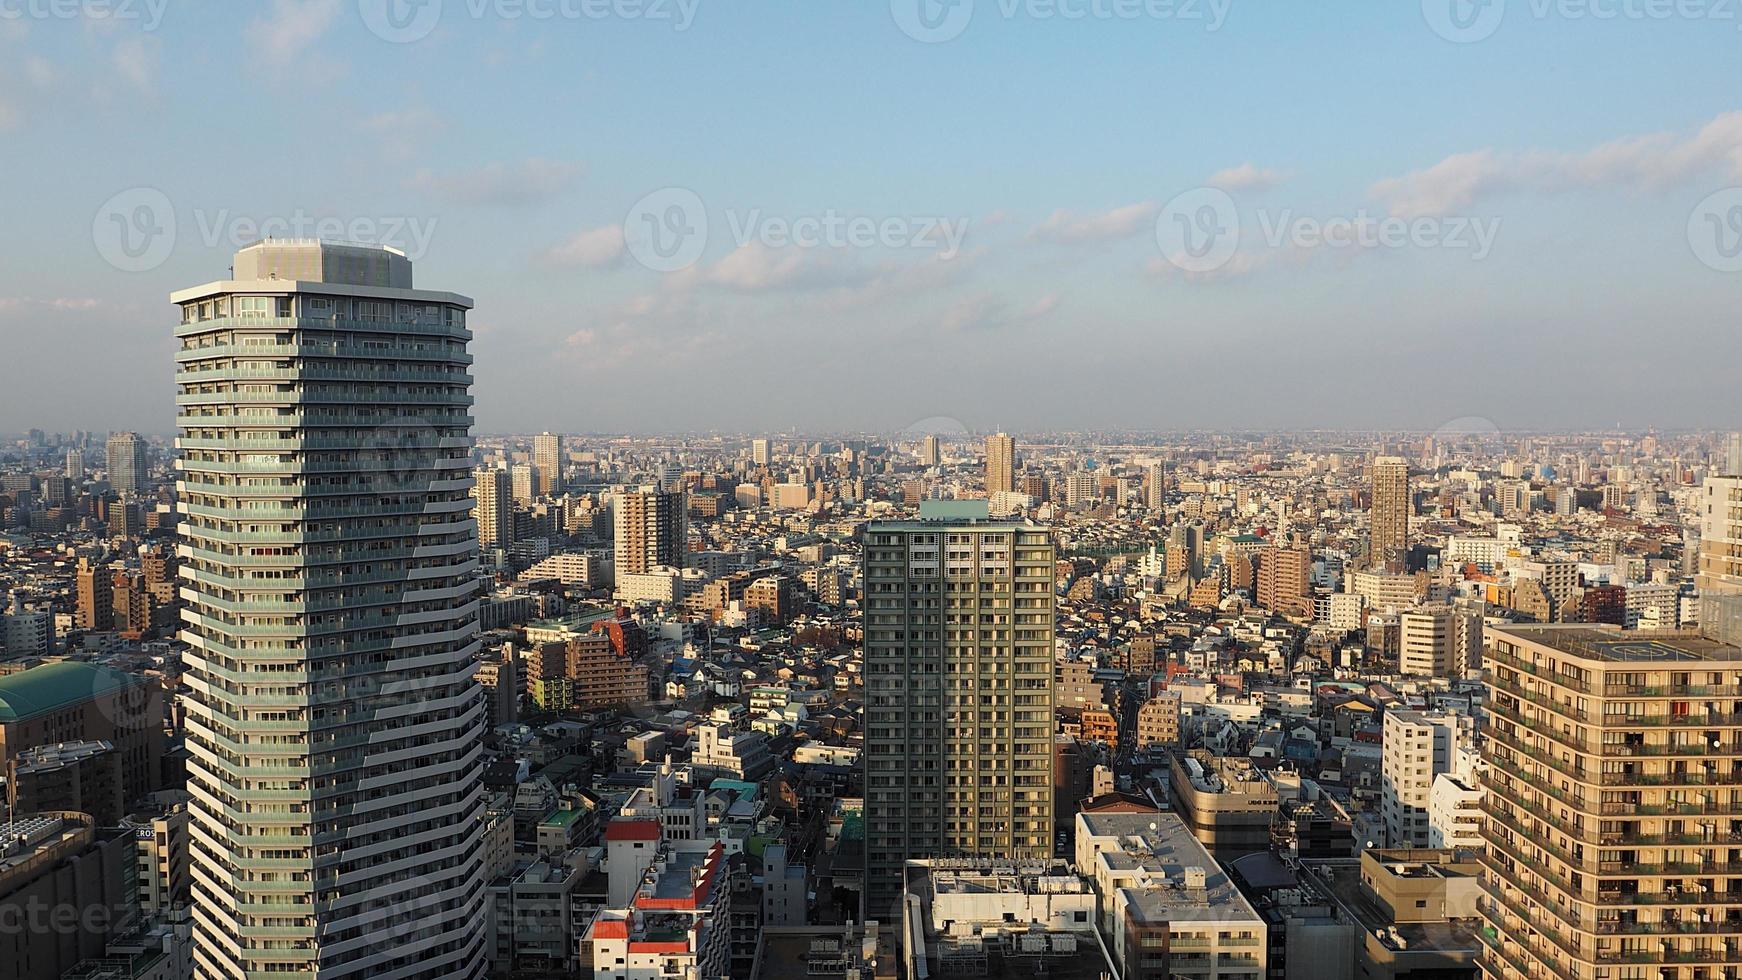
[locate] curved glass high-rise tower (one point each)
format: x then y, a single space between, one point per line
329 558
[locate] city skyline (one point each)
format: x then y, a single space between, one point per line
1039 216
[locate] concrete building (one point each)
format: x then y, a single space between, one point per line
1454 812
675 923
1427 642
1609 830
1165 904
1225 800
329 562
652 530
72 702
127 461
1416 746
547 462
1285 580
1000 463
980 917
1392 505
161 862
1158 721
66 889
84 777
1721 534
958 690
1415 912
493 499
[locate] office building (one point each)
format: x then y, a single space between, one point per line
84 777
1225 800
75 465
1612 817
79 702
127 463
1164 903
929 454
959 627
66 889
1000 463
652 530
333 723
1391 510
547 462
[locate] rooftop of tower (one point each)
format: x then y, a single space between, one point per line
324 260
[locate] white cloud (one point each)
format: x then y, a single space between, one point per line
986 311
59 304
1246 177
136 60
280 36
1121 222
589 249
1651 161
527 182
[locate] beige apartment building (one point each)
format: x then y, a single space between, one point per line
1158 721
1614 805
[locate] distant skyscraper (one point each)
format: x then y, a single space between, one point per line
652 529
1391 507
1733 454
75 464
547 460
1156 486
928 451
959 716
494 508
333 723
759 452
1000 463
523 480
127 469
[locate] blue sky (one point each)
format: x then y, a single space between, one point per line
1561 249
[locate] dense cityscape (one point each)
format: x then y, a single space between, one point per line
324 685
883 490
